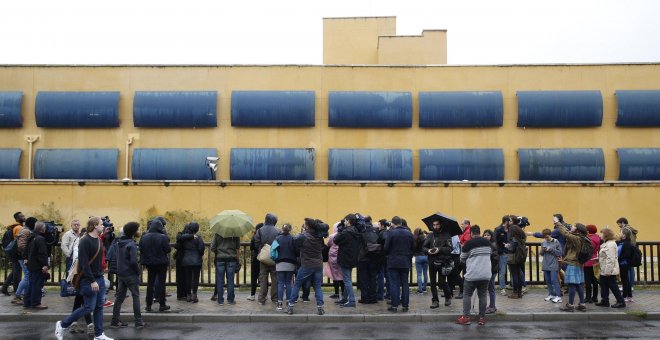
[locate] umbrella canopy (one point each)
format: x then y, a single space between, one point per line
449 224
231 223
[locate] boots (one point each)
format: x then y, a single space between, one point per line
567 308
189 298
194 298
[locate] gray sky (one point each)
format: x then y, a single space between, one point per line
291 32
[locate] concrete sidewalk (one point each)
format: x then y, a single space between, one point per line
531 308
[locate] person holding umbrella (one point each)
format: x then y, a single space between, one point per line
438 246
229 226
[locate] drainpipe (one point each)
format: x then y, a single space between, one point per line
30 139
128 144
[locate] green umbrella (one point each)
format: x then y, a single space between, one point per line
231 223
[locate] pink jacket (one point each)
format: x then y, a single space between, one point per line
595 242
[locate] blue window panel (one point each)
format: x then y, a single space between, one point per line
272 108
461 164
9 163
171 164
638 108
370 109
561 164
460 109
10 109
370 165
175 109
77 109
272 164
639 164
560 108
76 163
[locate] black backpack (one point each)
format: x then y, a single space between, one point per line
7 238
586 250
636 257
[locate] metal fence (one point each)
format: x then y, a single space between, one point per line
646 274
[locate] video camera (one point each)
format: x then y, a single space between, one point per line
319 229
107 224
521 221
52 234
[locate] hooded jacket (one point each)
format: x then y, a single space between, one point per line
349 242
267 233
192 248
37 253
127 263
573 244
154 246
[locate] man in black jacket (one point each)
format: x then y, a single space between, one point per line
502 238
37 263
128 275
399 250
370 260
154 250
349 242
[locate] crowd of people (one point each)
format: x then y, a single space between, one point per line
575 258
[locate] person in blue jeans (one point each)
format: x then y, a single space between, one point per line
502 238
309 245
349 241
399 249
421 261
92 282
227 250
285 264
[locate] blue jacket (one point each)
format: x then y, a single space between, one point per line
286 252
399 247
126 255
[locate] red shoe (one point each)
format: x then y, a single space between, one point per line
108 304
482 321
463 320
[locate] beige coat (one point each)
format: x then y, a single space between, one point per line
608 258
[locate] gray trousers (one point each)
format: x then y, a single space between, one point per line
264 270
482 292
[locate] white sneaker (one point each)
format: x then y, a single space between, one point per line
549 298
503 292
557 299
250 298
103 337
59 330
524 290
90 329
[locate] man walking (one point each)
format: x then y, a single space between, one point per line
67 242
476 257
92 283
266 235
128 276
399 249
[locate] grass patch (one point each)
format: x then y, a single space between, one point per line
637 313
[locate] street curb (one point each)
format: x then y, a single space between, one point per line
340 318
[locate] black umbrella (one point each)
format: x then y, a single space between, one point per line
449 224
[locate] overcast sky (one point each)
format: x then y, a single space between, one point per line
291 32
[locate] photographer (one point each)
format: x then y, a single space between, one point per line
108 237
310 245
349 242
382 277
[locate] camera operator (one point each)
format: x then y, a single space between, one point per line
310 245
349 242
37 263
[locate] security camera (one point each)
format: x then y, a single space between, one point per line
212 159
213 166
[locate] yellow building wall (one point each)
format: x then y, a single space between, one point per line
428 49
484 204
354 40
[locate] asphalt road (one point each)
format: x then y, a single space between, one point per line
318 331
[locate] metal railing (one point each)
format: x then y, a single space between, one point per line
646 274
